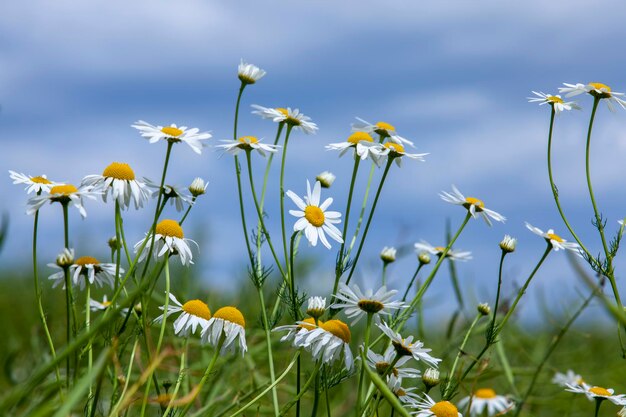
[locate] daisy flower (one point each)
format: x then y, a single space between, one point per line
286 115
486 399
316 307
473 205
85 268
95 305
597 393
568 378
555 240
246 143
313 217
173 134
174 194
382 362
426 407
396 152
405 395
64 194
328 341
361 142
227 324
383 129
406 347
553 100
119 179
297 332
597 90
168 238
194 313
358 304
248 73
36 184
438 250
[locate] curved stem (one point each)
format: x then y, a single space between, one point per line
447 392
179 380
366 344
408 288
282 197
305 387
362 212
270 357
495 307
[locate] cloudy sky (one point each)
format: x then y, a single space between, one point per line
451 76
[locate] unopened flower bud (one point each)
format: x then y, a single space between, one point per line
508 244
423 258
317 307
65 258
430 378
484 309
388 254
326 179
114 244
197 187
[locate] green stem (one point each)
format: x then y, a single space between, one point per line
385 273
182 220
408 288
598 404
118 242
316 396
282 197
305 387
448 391
89 348
328 414
366 344
362 212
69 297
270 357
492 327
179 380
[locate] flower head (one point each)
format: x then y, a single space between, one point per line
96 305
173 134
361 142
248 73
227 323
194 314
383 129
293 118
298 331
314 219
405 395
64 194
388 254
118 179
381 364
508 244
168 238
430 378
197 187
597 90
555 240
326 179
453 255
406 347
568 378
85 269
553 100
246 143
394 151
426 407
486 399
172 193
358 304
37 184
316 307
329 342
473 205
597 393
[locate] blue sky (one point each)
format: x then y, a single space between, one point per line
451 76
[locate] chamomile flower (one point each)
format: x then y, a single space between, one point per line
553 100
555 240
358 304
85 269
227 324
383 129
64 194
381 364
248 73
473 205
173 134
568 378
119 179
361 142
37 184
426 407
172 193
453 255
486 399
396 152
246 143
168 238
316 307
405 395
194 314
95 305
293 118
597 90
329 342
297 332
597 393
313 218
406 347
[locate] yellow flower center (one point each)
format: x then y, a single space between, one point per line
283 111
439 249
40 180
66 189
248 139
485 393
554 237
554 99
600 391
106 303
170 228
120 171
381 368
197 308
384 126
314 215
230 314
86 260
172 131
600 86
357 137
475 202
370 306
444 409
338 328
400 392
164 399
394 147
310 323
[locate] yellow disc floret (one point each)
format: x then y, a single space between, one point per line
370 306
554 99
600 391
485 393
444 409
41 180
172 131
86 260
357 137
248 139
475 202
338 328
384 126
554 237
282 111
169 228
309 323
66 189
600 86
230 314
314 215
197 308
395 148
120 171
